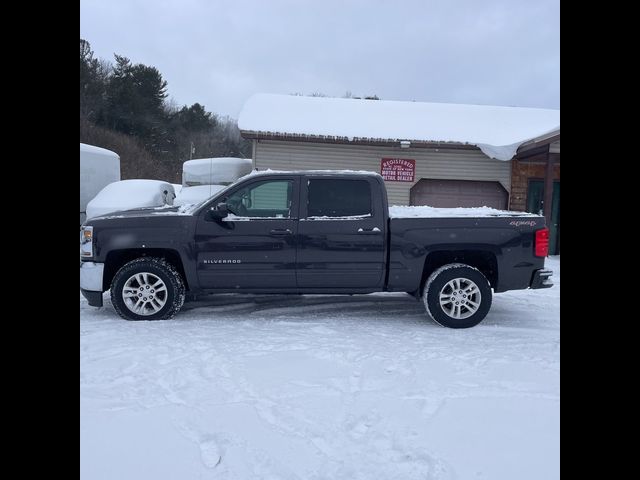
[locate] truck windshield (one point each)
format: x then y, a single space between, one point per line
197 206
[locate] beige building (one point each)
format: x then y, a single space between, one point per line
442 155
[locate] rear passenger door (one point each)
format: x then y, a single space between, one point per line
341 233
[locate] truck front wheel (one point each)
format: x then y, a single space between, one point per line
147 288
457 296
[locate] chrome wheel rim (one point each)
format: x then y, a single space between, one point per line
144 293
460 298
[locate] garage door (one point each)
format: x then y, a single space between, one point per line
459 193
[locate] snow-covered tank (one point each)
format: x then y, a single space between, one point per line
214 171
98 168
203 177
128 194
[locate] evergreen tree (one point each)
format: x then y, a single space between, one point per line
194 119
135 102
124 106
93 75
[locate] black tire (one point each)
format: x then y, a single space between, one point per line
158 268
441 281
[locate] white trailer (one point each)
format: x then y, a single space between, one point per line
98 168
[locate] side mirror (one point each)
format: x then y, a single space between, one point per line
219 212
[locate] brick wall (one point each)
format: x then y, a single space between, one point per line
521 172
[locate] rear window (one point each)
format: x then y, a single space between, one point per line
338 198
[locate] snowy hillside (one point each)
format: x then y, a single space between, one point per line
322 387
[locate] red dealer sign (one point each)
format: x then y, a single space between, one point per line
398 169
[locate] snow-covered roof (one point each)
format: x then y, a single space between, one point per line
98 150
497 131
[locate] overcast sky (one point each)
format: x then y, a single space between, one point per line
219 52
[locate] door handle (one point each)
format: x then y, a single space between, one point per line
281 232
372 231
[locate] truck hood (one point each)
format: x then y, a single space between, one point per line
146 212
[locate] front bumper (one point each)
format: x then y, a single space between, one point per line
542 279
91 275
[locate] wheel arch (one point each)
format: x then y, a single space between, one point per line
116 259
483 260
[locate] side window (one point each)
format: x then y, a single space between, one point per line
338 198
264 199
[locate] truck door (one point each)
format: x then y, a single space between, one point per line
341 233
255 247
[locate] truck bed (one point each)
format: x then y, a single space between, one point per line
502 240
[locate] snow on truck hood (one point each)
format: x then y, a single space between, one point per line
166 210
498 131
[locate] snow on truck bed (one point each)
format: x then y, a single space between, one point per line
334 387
402 211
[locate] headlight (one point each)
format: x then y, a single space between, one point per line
86 241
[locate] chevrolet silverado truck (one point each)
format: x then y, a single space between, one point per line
311 232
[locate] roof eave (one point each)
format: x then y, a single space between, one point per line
541 140
387 142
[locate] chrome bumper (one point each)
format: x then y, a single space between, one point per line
91 276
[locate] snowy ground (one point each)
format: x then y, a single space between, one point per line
322 387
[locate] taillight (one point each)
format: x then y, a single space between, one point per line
542 242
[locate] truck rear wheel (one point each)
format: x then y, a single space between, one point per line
147 288
457 296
